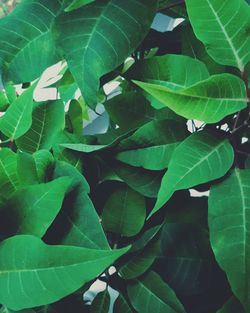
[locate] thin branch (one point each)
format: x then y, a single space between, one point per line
171 5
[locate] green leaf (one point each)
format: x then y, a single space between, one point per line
31 210
77 223
122 306
9 181
77 4
75 114
18 118
44 162
231 306
224 28
47 121
200 158
153 144
101 303
229 204
124 212
26 169
145 182
173 71
24 34
139 261
107 32
80 147
150 292
63 269
209 100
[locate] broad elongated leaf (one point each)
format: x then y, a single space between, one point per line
17 119
9 181
47 122
77 4
152 145
122 306
77 223
26 169
44 161
150 292
173 71
33 209
229 204
124 212
145 182
200 158
63 269
101 303
209 100
27 41
98 37
80 147
223 26
231 306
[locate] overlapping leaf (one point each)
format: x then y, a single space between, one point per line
229 206
55 271
198 159
223 26
209 100
96 38
26 39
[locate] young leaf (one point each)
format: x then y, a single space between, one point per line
18 118
31 210
9 181
209 100
124 212
77 4
47 121
229 207
63 269
106 32
150 292
24 34
101 303
224 28
200 158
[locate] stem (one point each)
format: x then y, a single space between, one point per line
172 5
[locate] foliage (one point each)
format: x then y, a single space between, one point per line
121 206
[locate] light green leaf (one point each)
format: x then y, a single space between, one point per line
47 121
75 116
223 26
80 147
31 210
124 212
97 38
24 34
63 269
121 305
9 181
200 158
77 4
18 118
209 100
101 303
150 293
229 207
173 71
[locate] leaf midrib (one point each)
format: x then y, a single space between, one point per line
229 40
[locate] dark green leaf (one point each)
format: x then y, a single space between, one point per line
101 303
